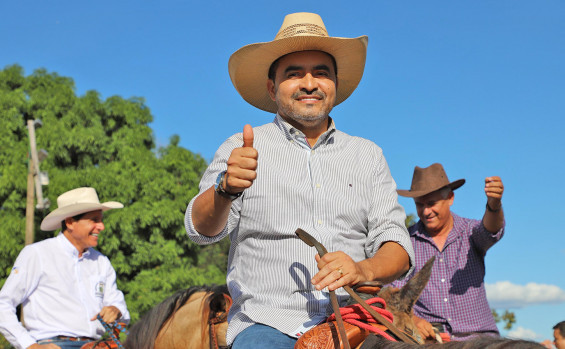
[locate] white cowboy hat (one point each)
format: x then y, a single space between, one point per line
75 202
249 66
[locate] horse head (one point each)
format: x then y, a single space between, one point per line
400 302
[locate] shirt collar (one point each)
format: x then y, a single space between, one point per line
69 248
293 134
422 233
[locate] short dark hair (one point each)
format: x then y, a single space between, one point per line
560 327
76 218
273 68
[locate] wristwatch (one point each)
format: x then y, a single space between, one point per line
219 188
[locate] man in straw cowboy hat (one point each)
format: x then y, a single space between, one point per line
298 172
455 298
63 283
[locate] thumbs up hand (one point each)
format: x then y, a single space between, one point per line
242 165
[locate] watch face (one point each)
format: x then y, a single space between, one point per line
219 179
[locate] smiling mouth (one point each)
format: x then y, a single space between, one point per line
309 99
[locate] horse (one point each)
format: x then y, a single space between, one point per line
183 320
190 318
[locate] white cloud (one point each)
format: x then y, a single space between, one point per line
524 333
504 294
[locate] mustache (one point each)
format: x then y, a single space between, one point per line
316 93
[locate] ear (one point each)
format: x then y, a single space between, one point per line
410 293
69 223
271 89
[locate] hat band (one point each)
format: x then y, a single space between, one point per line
302 29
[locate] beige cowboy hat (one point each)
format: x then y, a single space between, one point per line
249 66
75 202
429 179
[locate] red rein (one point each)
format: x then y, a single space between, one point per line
356 315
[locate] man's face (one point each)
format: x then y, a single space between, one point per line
83 233
304 87
559 339
434 211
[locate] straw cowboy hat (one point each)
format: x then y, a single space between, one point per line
249 66
429 179
75 202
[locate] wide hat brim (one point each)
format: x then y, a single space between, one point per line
53 220
417 193
249 66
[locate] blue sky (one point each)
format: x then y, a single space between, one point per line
478 86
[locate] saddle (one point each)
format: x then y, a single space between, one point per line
357 326
107 343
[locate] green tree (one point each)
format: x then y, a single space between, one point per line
508 318
410 220
106 144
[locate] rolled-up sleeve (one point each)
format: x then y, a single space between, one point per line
218 164
387 216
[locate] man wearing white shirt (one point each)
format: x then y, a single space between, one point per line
63 283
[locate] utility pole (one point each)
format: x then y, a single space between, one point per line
34 178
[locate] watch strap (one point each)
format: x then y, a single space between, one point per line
219 188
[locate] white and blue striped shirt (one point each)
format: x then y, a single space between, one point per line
340 191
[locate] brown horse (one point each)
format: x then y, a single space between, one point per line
184 320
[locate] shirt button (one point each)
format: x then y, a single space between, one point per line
318 185
448 319
442 280
313 151
319 221
441 259
445 299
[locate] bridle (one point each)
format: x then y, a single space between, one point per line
216 319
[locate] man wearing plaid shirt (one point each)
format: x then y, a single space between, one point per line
455 298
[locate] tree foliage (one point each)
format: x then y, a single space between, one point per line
410 220
106 144
508 318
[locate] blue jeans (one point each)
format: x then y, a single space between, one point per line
64 343
260 336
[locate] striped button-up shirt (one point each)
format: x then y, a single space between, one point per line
340 191
455 296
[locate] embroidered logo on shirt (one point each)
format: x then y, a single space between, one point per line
15 270
100 289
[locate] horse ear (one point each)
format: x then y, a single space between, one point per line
410 293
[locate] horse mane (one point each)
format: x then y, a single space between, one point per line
143 333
